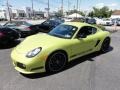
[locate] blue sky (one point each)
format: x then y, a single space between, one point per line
55 4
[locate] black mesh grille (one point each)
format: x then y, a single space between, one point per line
20 65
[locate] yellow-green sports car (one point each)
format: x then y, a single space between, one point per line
50 52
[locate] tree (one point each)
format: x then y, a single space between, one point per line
91 14
81 13
59 13
103 12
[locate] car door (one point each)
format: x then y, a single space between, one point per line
85 41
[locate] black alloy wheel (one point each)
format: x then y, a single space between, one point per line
56 62
105 46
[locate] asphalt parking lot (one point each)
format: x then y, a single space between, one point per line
92 72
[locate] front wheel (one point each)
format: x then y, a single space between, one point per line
105 45
56 62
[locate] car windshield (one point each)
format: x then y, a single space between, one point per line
106 20
63 31
11 24
51 22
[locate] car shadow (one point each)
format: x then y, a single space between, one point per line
10 44
69 65
112 31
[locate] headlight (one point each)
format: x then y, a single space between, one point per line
34 52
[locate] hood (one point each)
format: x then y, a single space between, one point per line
22 27
39 40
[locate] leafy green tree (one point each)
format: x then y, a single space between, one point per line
59 13
81 13
103 12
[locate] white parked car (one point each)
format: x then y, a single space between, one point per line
98 21
0 25
68 19
107 22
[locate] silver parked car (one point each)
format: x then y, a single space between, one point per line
23 27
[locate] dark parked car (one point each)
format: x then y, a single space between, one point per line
23 27
58 19
8 34
116 21
91 21
48 25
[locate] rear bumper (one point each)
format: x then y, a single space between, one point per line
5 40
109 23
27 33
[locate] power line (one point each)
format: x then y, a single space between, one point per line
45 3
41 2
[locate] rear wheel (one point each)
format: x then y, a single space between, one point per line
105 45
56 62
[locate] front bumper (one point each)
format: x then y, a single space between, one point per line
25 33
28 65
109 23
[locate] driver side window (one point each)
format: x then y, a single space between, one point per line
86 30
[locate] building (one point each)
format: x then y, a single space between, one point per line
16 13
12 13
8 13
115 14
3 14
28 12
20 13
39 14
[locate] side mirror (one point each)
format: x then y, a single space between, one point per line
81 36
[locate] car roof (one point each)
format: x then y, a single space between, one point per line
56 21
78 24
5 28
16 21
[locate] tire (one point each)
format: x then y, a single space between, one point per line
105 45
56 62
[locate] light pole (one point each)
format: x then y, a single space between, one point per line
32 8
62 6
68 5
77 5
48 9
80 4
8 9
77 8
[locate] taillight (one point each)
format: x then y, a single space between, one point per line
1 34
28 28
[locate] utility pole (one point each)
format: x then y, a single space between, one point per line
80 4
68 5
77 8
62 6
48 12
32 8
8 9
77 5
